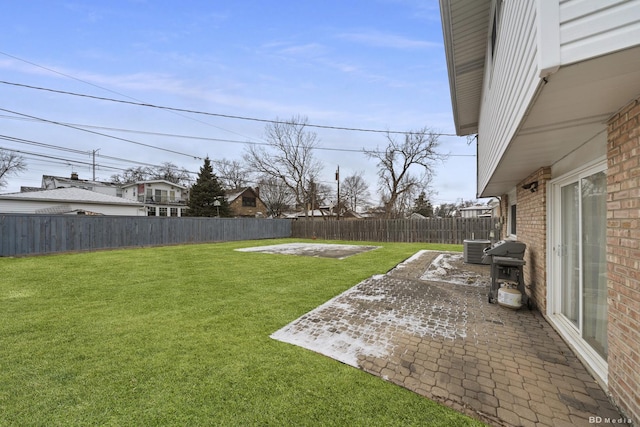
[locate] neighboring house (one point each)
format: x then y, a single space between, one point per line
350 215
477 211
416 216
373 213
325 213
246 202
160 197
494 207
552 88
50 182
311 214
68 201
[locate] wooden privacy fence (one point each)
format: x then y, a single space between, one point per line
431 230
24 234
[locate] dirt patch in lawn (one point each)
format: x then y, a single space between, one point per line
322 250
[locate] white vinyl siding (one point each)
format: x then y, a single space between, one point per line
591 28
31 206
510 84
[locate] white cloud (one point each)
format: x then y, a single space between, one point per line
381 39
307 50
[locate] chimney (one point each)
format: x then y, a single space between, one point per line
74 176
257 190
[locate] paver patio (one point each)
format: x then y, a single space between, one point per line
428 326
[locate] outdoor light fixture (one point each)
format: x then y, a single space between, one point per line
532 186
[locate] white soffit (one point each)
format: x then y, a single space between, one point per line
572 109
465 26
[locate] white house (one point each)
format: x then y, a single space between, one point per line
69 201
476 211
160 197
50 182
552 90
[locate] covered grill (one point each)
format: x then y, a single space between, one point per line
507 265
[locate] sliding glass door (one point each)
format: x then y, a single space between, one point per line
594 262
570 253
579 268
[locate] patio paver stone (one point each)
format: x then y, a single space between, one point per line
443 340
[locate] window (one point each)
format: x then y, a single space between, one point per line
151 211
163 211
512 220
249 201
174 212
512 214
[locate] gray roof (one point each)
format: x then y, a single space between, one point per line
71 194
78 181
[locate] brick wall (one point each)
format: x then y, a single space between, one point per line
623 258
504 214
238 209
531 221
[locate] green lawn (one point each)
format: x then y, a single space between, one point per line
180 336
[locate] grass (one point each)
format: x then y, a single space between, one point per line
180 336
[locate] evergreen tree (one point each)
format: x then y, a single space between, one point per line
423 205
204 194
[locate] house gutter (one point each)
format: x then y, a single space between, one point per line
445 17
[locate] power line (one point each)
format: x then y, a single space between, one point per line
227 116
67 161
99 133
203 138
76 162
72 150
110 90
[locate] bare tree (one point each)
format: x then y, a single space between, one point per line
289 156
132 175
167 171
170 172
405 168
276 196
319 194
355 191
446 210
11 163
231 173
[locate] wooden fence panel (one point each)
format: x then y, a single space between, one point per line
23 234
29 234
432 230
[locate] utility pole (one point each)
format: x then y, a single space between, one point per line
338 203
93 152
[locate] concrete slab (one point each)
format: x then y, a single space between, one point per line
322 250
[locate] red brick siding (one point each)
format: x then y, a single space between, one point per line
623 258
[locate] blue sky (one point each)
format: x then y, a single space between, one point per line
376 64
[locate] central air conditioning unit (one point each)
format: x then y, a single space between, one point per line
474 250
